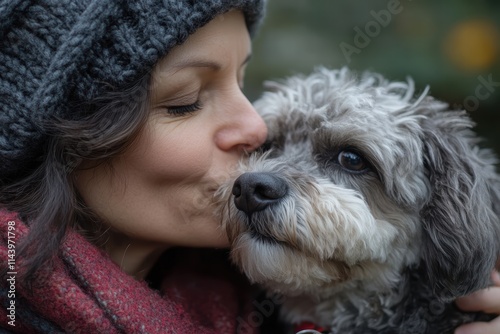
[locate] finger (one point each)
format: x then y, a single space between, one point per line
486 300
492 327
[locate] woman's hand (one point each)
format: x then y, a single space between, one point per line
487 300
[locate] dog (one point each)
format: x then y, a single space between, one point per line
369 209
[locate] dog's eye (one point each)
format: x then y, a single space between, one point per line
352 161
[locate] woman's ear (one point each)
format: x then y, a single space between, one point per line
461 238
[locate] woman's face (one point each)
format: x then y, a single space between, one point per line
159 191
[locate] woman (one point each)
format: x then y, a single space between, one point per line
118 121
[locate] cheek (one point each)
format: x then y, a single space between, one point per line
172 155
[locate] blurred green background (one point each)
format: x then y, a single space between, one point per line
451 45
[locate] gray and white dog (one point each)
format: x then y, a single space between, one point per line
370 210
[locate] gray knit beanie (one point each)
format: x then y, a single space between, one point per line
54 53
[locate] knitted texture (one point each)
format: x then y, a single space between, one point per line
57 53
85 292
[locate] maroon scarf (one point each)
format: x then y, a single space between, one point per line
85 292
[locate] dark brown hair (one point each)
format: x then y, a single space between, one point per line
46 199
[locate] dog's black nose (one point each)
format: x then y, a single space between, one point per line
255 191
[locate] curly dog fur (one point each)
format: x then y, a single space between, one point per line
370 209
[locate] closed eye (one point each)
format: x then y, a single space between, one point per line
184 109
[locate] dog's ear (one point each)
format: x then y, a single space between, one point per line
461 220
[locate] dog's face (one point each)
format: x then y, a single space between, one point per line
357 182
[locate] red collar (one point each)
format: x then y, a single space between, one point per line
309 325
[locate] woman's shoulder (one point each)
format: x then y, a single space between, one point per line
6 216
11 228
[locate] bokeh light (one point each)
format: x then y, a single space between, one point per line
473 45
451 45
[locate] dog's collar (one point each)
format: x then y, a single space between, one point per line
307 327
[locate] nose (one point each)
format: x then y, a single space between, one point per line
256 191
244 129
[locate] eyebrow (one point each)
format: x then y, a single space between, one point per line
247 59
209 64
199 63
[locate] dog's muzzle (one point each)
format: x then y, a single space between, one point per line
256 191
